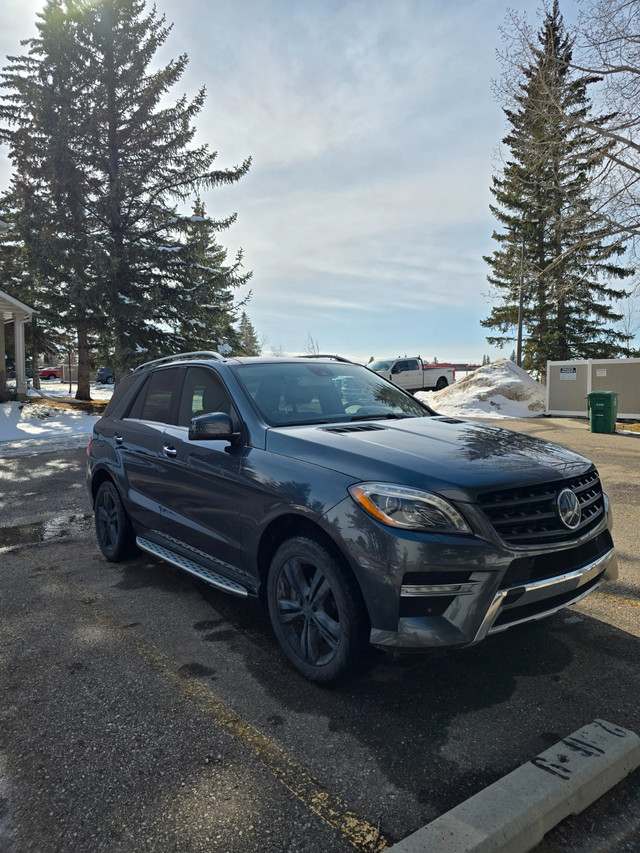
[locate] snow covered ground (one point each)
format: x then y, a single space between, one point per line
499 390
41 426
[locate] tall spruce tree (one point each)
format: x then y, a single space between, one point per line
205 311
248 337
91 126
555 260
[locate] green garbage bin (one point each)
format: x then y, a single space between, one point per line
603 410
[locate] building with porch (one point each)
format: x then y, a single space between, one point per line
12 311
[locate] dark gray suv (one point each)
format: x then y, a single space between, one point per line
356 519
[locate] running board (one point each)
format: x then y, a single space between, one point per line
196 569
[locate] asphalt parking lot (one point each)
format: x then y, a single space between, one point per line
142 711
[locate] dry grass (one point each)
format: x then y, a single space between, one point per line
91 407
629 427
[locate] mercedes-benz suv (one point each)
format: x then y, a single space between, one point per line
369 519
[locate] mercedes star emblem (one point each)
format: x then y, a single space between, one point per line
569 509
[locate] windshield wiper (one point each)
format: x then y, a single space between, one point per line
300 423
390 416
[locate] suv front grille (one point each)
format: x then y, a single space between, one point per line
528 515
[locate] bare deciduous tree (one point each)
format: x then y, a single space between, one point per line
313 347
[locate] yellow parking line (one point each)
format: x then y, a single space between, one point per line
328 807
631 602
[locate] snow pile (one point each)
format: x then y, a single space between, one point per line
497 390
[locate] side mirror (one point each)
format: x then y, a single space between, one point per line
395 369
213 426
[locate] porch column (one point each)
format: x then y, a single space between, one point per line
3 355
21 375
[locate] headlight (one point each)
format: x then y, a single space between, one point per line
411 509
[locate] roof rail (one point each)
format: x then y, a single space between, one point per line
327 355
167 358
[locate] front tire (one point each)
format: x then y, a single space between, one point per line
316 610
113 527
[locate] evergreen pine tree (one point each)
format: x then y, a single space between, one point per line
90 127
248 337
554 257
204 313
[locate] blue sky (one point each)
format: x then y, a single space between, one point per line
373 132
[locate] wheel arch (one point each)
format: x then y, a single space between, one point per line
288 526
98 477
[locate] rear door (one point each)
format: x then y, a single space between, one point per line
140 443
204 488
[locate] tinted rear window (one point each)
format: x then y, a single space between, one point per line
121 392
154 402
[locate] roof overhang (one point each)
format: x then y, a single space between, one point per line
11 308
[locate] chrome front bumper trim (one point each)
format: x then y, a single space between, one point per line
417 590
543 589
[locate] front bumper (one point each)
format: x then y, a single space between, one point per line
441 591
509 607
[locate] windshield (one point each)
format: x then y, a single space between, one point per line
380 365
287 393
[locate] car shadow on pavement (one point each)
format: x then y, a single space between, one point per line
443 725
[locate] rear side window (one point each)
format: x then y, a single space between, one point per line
125 388
153 403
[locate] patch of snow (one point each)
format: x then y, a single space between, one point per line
60 390
41 427
497 390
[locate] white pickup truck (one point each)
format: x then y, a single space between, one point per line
413 374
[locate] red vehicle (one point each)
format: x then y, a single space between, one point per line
50 372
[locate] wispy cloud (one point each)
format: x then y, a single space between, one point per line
371 126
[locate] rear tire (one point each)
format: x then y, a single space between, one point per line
316 610
441 383
113 527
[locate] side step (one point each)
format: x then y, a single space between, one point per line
195 569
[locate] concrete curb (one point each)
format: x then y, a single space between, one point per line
513 814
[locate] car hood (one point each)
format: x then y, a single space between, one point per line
456 458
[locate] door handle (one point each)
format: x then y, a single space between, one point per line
169 450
